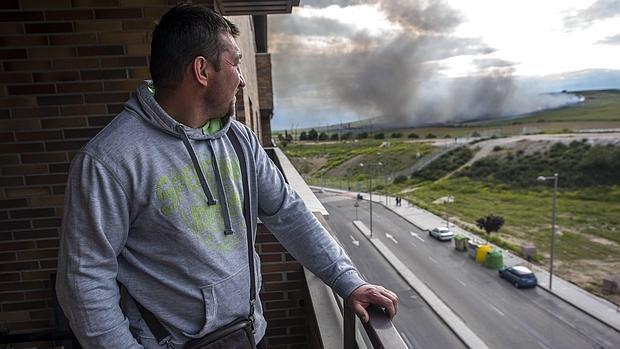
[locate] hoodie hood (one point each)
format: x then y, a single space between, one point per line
146 107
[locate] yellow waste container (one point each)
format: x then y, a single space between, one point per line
481 253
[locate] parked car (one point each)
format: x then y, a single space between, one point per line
519 276
441 233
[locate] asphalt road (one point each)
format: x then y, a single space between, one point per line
503 316
419 326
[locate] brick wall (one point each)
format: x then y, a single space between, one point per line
265 95
66 68
284 294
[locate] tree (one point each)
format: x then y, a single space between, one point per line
362 135
313 135
397 135
413 135
323 136
380 136
303 136
490 223
334 137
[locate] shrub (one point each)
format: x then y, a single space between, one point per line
379 136
400 179
362 135
413 135
445 164
334 137
430 135
396 135
313 135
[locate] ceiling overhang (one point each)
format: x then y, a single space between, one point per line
255 7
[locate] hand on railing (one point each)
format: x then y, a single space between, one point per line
369 294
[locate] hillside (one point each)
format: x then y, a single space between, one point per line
498 176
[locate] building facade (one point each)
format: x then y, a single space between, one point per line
67 68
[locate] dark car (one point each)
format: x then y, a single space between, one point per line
519 276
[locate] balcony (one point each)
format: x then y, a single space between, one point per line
313 305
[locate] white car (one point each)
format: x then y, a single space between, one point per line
441 233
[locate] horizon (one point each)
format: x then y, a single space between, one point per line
453 122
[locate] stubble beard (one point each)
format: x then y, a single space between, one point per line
231 108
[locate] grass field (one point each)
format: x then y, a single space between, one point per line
342 159
588 213
599 106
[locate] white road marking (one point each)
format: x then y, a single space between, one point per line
415 235
497 310
461 282
406 340
543 345
355 242
432 259
389 236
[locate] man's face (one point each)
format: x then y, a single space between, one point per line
223 84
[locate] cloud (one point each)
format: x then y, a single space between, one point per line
610 40
325 69
486 63
599 10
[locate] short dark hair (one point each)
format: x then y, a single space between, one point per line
182 34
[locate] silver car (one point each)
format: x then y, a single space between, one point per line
441 233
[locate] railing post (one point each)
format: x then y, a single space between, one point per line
349 328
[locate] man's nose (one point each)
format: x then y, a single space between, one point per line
241 79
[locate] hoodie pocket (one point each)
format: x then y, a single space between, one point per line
225 301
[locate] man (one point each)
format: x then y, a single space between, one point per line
154 203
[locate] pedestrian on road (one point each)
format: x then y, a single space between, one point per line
162 205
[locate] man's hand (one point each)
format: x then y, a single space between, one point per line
368 294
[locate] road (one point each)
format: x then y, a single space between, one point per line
501 315
419 326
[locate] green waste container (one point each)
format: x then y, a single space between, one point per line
494 260
460 242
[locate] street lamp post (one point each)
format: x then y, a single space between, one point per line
449 199
553 178
370 190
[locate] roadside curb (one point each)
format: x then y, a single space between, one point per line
613 321
456 324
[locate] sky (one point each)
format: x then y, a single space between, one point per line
414 62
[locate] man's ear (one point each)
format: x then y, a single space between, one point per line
200 70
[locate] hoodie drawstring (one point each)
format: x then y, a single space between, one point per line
218 178
203 182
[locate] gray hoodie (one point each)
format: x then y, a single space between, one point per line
157 207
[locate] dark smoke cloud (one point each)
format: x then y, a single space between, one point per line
294 26
435 17
599 10
611 40
395 77
341 3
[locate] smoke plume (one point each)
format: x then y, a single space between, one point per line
396 76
